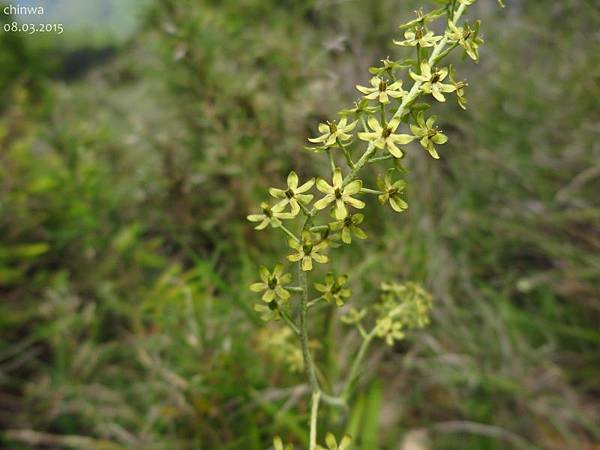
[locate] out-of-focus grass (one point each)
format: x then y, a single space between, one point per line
125 256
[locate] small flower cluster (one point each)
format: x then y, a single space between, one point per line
385 122
278 343
402 307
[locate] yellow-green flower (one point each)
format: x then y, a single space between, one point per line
424 19
306 251
348 227
272 284
419 36
391 191
382 89
384 136
278 444
294 194
467 37
388 66
432 81
407 303
270 215
460 89
333 133
354 316
339 194
429 135
333 445
333 288
267 312
360 107
389 329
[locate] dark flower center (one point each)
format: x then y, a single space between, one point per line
386 132
348 221
332 127
435 78
267 211
382 86
338 194
289 194
272 282
307 248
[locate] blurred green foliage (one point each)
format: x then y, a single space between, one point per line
125 319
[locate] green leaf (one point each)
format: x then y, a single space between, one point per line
370 430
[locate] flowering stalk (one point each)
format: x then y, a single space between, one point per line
400 307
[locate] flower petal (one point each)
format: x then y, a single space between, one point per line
255 217
292 180
402 138
397 203
374 124
394 150
353 187
439 138
307 263
346 236
322 203
268 296
258 287
340 209
306 186
324 187
294 257
359 204
264 224
319 258
337 179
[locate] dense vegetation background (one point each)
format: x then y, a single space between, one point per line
128 164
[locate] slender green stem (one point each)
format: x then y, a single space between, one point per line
331 161
348 157
361 162
346 154
307 357
289 233
294 288
370 191
304 209
287 319
319 228
308 361
334 401
313 302
360 355
363 122
380 158
314 411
